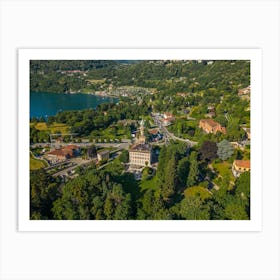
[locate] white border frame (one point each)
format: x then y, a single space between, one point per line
254 55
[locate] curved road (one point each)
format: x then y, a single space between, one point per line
171 135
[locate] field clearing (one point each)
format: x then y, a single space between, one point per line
224 169
197 191
35 164
62 127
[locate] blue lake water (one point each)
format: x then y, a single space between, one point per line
49 104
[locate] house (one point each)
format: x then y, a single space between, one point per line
183 94
168 118
62 154
167 115
154 132
155 135
240 166
167 121
58 156
103 155
140 155
210 115
211 112
211 126
244 91
248 132
73 148
211 108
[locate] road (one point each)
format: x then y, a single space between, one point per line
79 162
69 169
169 135
123 145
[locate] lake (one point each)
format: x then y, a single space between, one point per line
49 104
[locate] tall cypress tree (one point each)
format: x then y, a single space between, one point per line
170 179
162 164
193 173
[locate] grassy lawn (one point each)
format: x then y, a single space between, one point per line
149 184
109 133
246 153
36 163
224 169
63 128
197 191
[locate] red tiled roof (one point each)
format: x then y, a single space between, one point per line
210 122
242 163
71 147
168 119
58 152
153 131
168 114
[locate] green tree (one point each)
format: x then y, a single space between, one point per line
124 157
91 151
235 211
123 210
170 179
192 178
183 171
208 151
192 208
43 192
108 208
225 150
243 186
162 164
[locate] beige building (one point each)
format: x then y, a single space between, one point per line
140 154
142 139
240 166
211 126
244 91
103 155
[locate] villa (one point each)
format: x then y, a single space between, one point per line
211 126
240 166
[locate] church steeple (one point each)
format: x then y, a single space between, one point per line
142 127
142 138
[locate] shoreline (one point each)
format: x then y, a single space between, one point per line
74 93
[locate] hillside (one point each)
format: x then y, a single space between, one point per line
166 76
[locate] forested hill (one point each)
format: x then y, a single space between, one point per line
164 75
50 66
